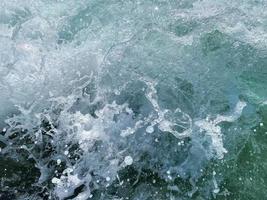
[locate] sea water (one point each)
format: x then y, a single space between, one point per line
133 99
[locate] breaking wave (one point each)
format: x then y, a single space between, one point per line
126 99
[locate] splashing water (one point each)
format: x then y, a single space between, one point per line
132 99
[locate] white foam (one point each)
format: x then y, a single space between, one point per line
212 128
167 124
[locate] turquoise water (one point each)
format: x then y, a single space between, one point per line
138 100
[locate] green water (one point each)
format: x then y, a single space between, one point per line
177 87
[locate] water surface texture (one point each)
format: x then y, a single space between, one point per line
133 99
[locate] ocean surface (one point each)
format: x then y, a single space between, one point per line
133 100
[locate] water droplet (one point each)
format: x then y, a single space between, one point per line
217 190
128 160
58 161
150 129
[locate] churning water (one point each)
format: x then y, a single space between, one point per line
133 99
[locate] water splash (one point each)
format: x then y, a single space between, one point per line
93 90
